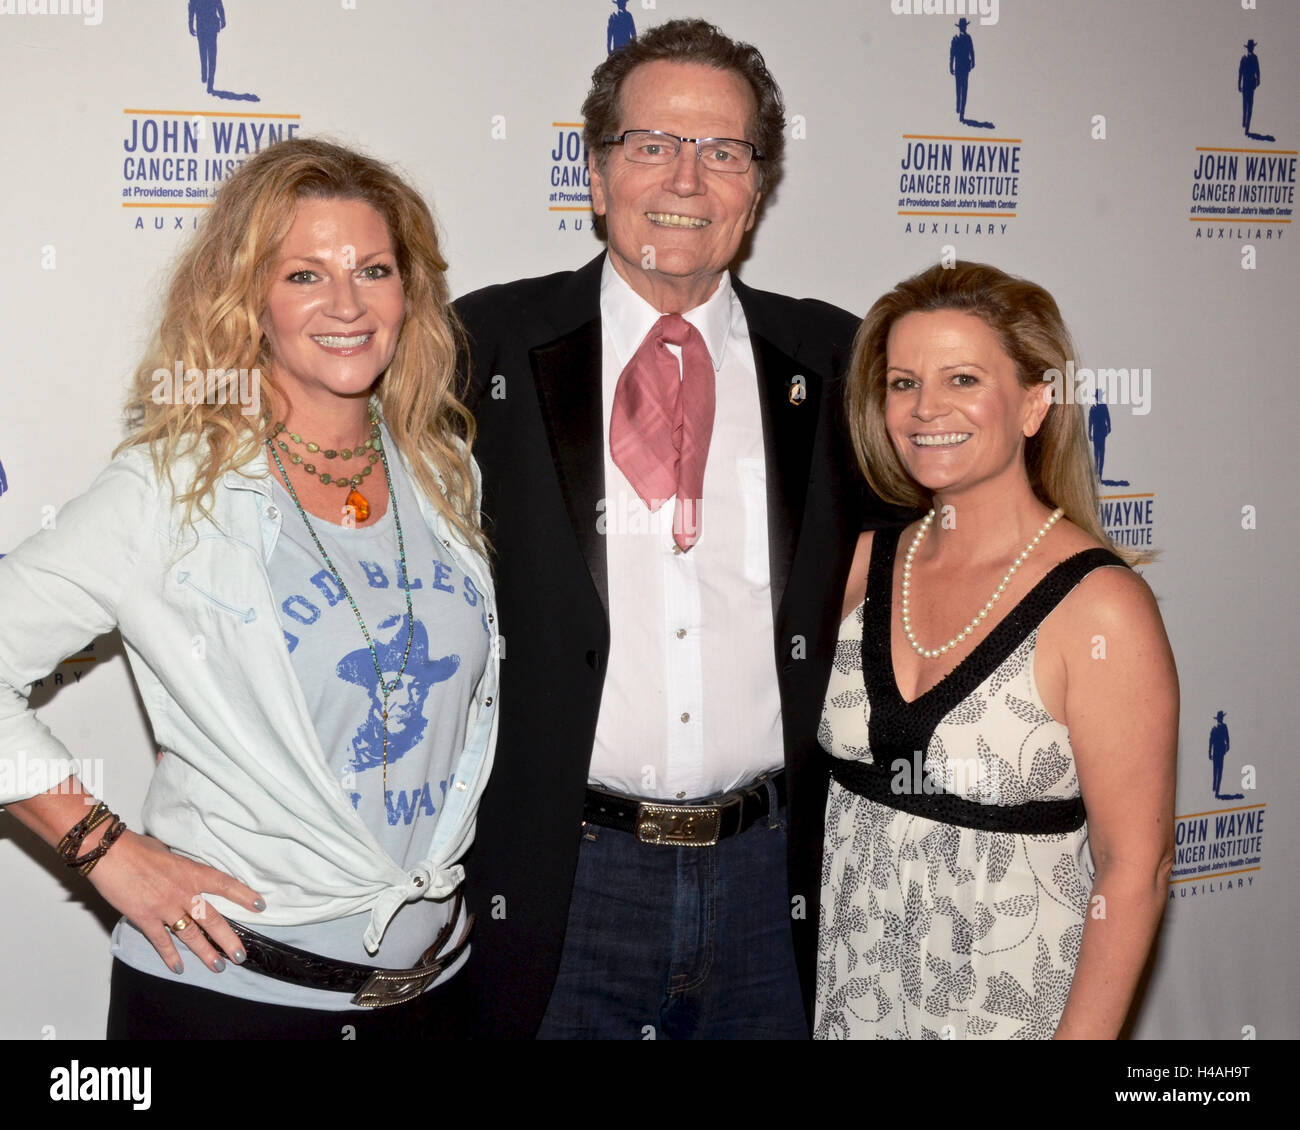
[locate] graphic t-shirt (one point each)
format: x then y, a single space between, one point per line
445 649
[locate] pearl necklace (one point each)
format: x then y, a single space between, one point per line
983 612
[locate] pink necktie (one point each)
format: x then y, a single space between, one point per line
661 423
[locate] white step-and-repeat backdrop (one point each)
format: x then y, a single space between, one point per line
1107 152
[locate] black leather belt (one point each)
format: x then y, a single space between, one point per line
1033 818
372 988
699 824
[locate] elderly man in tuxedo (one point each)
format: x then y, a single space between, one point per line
673 508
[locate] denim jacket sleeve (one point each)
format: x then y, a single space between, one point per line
60 589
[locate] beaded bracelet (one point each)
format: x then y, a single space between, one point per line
70 845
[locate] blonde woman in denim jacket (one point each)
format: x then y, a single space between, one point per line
289 544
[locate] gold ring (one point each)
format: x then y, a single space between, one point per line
180 924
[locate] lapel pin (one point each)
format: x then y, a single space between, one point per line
798 389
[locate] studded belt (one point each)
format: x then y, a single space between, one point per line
371 987
699 824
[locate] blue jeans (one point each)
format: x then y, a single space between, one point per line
679 943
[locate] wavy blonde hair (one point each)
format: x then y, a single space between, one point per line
211 320
1027 321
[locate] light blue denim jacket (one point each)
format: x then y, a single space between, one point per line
243 784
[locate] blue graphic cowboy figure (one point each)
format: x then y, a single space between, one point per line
961 61
1099 429
1247 81
207 18
1218 751
406 719
620 30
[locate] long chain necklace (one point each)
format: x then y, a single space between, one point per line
934 653
385 689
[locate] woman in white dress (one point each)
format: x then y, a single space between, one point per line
1002 712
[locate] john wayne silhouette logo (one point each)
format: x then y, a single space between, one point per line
174 160
207 20
620 30
1128 517
1243 193
948 186
961 61
1247 83
1219 745
1219 851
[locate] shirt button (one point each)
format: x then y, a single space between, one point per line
461 786
491 619
676 548
681 796
273 512
487 701
686 717
681 633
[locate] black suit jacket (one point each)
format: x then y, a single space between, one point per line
535 388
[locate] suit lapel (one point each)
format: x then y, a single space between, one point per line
789 431
567 375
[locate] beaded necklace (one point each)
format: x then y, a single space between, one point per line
386 689
358 501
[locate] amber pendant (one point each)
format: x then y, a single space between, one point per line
358 504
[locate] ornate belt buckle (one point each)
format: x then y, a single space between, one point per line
385 987
682 825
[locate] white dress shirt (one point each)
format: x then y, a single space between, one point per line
691 705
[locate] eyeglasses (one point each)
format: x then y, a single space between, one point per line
654 147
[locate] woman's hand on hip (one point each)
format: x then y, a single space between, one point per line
162 895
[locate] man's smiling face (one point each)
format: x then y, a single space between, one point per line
673 229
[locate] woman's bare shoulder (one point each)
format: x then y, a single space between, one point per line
1114 603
